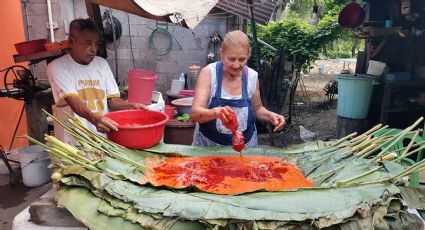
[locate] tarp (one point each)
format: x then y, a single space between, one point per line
192 11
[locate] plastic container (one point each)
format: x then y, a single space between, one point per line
34 162
187 92
30 47
137 129
354 95
177 132
157 102
169 110
176 86
141 83
376 68
192 76
183 105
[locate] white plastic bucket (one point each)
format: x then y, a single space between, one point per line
376 68
321 69
34 165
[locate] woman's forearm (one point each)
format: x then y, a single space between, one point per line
202 115
262 114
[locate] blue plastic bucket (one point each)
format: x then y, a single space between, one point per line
354 95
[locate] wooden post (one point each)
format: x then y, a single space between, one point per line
346 126
36 118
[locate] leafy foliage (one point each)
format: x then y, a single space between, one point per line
302 41
305 42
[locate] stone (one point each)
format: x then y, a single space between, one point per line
45 212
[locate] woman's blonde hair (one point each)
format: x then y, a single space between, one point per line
236 37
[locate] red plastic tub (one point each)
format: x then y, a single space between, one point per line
30 47
137 129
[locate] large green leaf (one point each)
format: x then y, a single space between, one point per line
298 205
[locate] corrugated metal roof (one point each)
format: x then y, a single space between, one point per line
263 9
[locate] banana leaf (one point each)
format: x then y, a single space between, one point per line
330 203
83 205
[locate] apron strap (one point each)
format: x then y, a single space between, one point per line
219 79
245 82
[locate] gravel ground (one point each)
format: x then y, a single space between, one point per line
315 113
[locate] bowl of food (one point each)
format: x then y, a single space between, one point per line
137 129
183 105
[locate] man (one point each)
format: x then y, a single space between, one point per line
83 83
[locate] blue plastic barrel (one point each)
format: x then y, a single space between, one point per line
354 95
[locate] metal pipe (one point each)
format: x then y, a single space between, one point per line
49 11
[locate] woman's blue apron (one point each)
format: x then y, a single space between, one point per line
213 133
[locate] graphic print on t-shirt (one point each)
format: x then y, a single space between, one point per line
93 98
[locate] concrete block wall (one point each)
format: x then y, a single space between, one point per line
193 49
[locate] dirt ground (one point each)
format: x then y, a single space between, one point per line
311 108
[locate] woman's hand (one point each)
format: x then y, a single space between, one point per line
278 121
224 113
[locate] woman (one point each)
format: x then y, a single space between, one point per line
225 86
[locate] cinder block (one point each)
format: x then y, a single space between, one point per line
140 42
138 30
35 20
80 9
134 19
37 9
38 1
127 54
38 32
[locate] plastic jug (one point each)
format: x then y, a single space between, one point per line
141 83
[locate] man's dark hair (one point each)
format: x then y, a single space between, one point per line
80 25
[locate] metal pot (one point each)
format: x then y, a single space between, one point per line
352 15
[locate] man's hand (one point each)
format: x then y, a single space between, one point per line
104 124
116 104
137 106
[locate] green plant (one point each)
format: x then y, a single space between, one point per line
298 38
306 42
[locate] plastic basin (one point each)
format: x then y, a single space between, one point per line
137 129
183 105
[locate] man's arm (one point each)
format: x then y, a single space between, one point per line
115 103
103 124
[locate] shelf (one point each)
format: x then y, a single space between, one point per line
41 56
